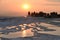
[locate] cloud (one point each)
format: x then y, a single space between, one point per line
53 0
52 4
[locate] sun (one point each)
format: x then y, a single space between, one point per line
26 6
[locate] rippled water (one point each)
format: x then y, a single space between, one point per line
29 27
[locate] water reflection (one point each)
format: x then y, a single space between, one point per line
17 29
24 33
25 24
31 29
27 33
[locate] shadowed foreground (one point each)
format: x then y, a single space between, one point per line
40 36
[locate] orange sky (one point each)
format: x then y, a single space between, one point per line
13 7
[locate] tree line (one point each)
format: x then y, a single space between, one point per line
44 14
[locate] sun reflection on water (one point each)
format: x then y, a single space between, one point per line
24 33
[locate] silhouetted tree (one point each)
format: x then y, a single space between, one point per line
29 13
47 15
58 15
33 14
36 15
53 14
44 14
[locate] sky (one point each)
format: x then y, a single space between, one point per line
14 7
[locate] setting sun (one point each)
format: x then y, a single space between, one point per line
26 6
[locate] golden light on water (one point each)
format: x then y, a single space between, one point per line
25 16
24 33
16 28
